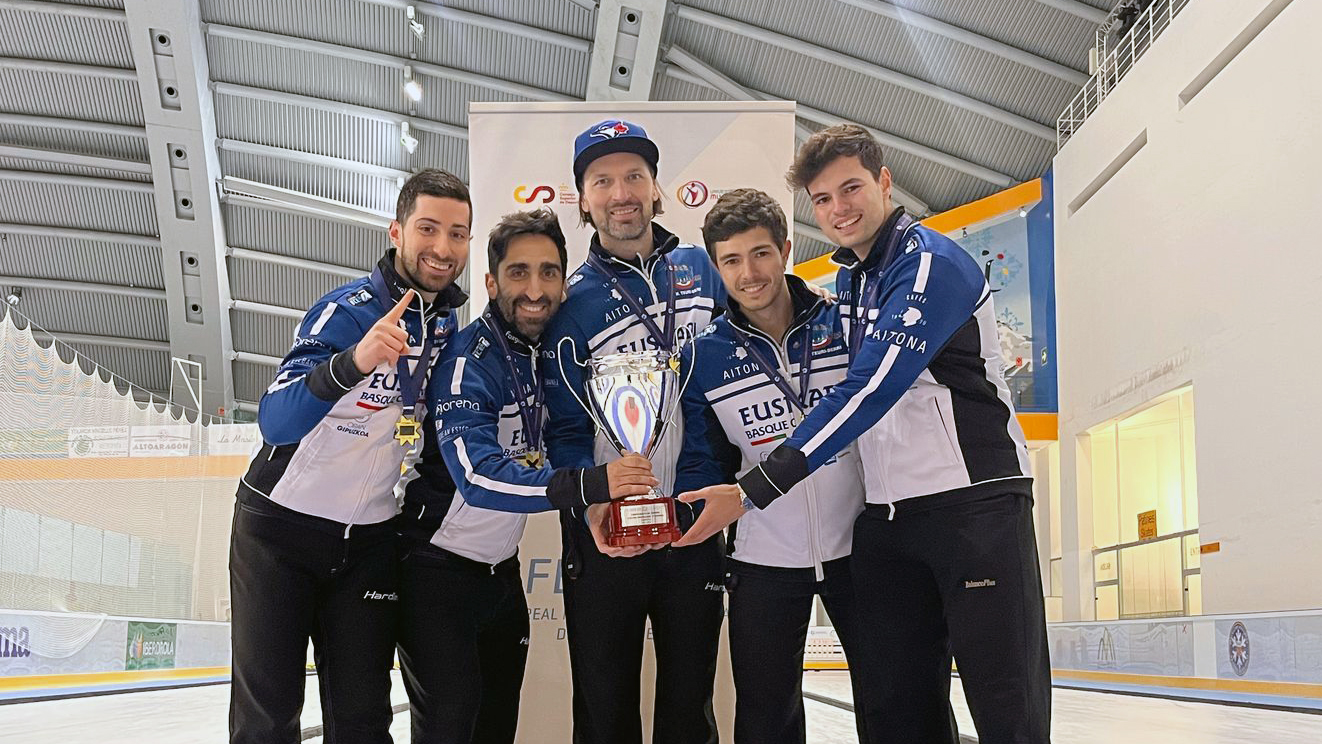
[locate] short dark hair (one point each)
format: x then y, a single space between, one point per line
430 182
535 222
742 210
839 141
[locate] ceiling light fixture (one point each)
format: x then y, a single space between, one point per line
412 88
406 139
411 13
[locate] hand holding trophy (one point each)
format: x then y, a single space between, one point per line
632 397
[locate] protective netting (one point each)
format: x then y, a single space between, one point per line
108 506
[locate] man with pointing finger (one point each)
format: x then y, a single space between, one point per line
312 553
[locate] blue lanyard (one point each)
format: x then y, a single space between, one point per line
859 313
800 399
531 415
410 381
666 340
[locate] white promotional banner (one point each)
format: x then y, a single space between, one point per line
520 158
99 441
172 440
233 439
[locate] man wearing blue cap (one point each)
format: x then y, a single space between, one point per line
639 289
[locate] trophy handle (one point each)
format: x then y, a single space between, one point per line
559 362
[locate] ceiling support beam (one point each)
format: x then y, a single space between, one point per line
66 233
334 107
62 285
64 179
248 254
265 309
626 49
64 9
810 231
877 72
170 54
69 158
252 357
119 342
51 122
384 60
67 68
970 38
311 158
262 196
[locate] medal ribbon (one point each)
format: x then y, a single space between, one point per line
531 415
666 341
410 381
859 313
800 399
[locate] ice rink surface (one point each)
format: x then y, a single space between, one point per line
197 715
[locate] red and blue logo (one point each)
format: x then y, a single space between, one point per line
611 131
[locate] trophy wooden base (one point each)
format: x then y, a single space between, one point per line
642 520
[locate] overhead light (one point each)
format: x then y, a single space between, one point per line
1023 212
412 88
406 139
963 232
411 13
15 296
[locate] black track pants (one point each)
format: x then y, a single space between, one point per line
607 603
295 577
950 575
463 646
770 610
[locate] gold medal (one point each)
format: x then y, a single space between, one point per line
533 459
674 363
407 430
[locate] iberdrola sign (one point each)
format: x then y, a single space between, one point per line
150 646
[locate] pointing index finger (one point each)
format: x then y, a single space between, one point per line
397 311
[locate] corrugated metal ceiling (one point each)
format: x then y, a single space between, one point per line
310 99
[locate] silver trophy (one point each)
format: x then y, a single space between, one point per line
632 397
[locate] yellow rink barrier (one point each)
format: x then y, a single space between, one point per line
46 682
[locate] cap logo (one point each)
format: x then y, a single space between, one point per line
611 131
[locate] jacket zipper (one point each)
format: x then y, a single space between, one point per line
810 497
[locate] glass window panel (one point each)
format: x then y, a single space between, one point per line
86 554
1057 572
22 534
1150 579
1108 602
1194 582
1104 487
115 559
1053 457
55 560
1105 567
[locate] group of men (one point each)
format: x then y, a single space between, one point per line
862 449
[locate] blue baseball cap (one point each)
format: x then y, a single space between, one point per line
611 136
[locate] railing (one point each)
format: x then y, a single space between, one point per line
1115 63
1109 572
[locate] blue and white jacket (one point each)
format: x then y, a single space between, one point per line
478 431
734 414
328 431
595 320
924 397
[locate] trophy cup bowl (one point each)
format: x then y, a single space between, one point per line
633 398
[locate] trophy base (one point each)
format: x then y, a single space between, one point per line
642 520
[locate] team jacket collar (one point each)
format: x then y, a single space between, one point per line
518 343
806 305
883 250
663 242
450 297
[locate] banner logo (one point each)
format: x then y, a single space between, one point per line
693 194
150 646
538 195
1239 648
